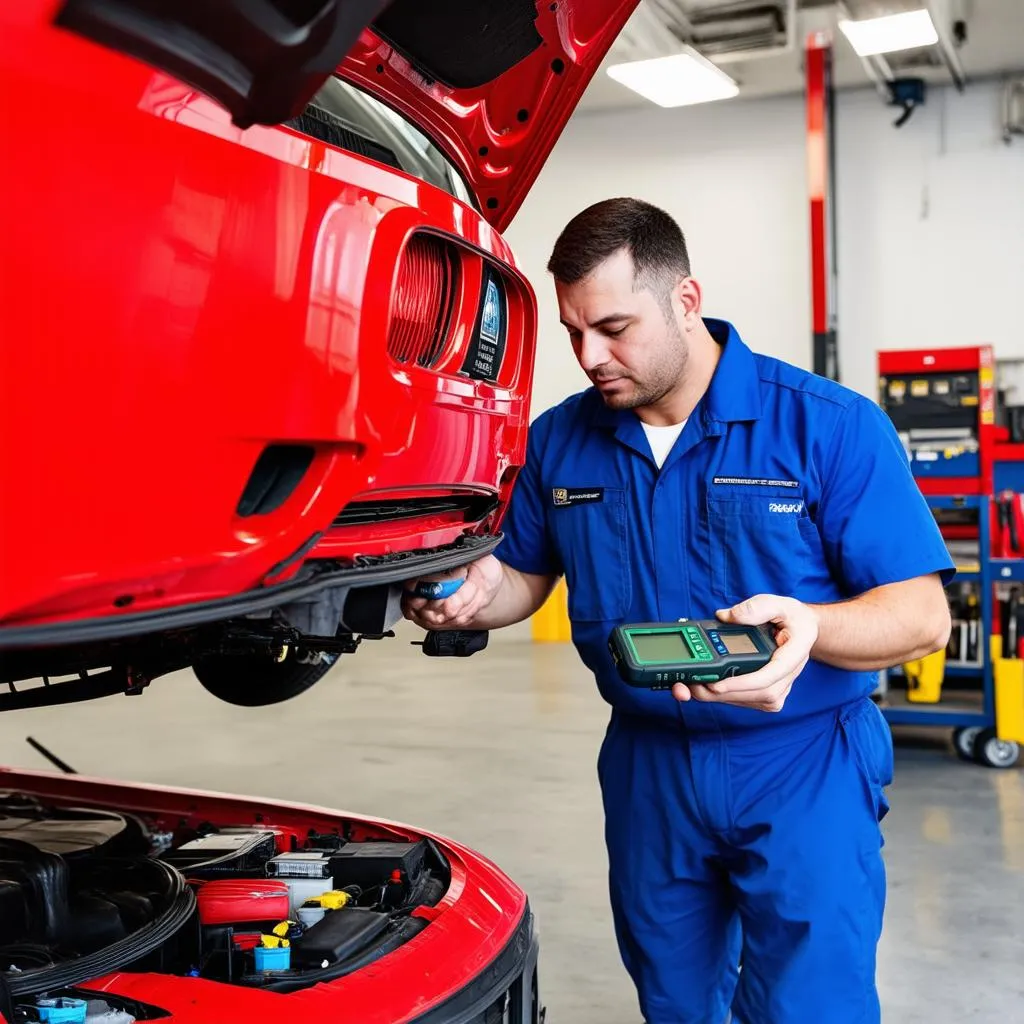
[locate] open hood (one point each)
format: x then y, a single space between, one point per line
492 82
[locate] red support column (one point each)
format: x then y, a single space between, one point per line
820 176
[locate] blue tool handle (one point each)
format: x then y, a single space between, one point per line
437 590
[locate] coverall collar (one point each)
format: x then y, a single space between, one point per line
733 395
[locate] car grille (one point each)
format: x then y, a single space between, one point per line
472 507
424 301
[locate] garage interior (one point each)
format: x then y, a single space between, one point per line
923 252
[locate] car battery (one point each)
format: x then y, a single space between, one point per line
374 863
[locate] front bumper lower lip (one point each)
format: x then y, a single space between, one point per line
116 627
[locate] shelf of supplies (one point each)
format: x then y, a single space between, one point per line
1007 569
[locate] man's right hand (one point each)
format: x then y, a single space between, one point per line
483 581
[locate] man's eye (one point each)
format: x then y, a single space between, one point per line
616 333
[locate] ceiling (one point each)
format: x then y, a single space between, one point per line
994 43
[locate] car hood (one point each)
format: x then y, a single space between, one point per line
492 82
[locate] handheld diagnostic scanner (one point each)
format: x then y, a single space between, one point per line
656 655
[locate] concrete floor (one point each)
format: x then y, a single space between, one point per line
499 752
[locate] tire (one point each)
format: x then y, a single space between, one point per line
964 740
255 681
993 752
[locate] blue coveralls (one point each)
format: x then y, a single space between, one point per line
733 832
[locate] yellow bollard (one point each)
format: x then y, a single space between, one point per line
924 678
550 624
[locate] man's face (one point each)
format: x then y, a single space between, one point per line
628 345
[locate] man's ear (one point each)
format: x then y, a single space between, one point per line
690 298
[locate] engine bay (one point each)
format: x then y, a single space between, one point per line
88 892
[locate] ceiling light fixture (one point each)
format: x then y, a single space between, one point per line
676 81
890 33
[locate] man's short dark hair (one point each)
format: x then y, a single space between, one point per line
652 237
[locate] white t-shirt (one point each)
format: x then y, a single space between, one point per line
661 440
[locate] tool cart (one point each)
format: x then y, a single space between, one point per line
966 450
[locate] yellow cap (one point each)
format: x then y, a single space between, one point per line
334 900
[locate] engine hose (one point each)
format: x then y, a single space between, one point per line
149 938
404 930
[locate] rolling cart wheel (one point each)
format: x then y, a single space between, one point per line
993 752
964 740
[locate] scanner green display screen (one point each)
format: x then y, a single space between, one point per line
661 647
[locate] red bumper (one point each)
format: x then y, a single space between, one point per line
178 295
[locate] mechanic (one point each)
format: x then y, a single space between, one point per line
696 479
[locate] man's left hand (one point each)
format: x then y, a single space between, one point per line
767 688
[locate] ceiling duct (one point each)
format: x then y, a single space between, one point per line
730 31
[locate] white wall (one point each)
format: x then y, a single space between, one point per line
931 229
930 222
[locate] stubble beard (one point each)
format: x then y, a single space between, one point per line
661 380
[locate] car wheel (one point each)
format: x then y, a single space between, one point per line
254 680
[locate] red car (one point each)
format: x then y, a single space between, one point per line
265 354
136 904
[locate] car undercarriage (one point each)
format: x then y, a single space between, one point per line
278 643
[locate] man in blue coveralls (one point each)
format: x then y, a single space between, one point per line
696 479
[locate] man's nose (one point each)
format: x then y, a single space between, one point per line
593 351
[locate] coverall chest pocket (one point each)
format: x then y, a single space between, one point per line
760 543
592 541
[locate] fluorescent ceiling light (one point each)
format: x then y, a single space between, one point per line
676 81
890 33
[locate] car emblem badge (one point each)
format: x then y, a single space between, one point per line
490 323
